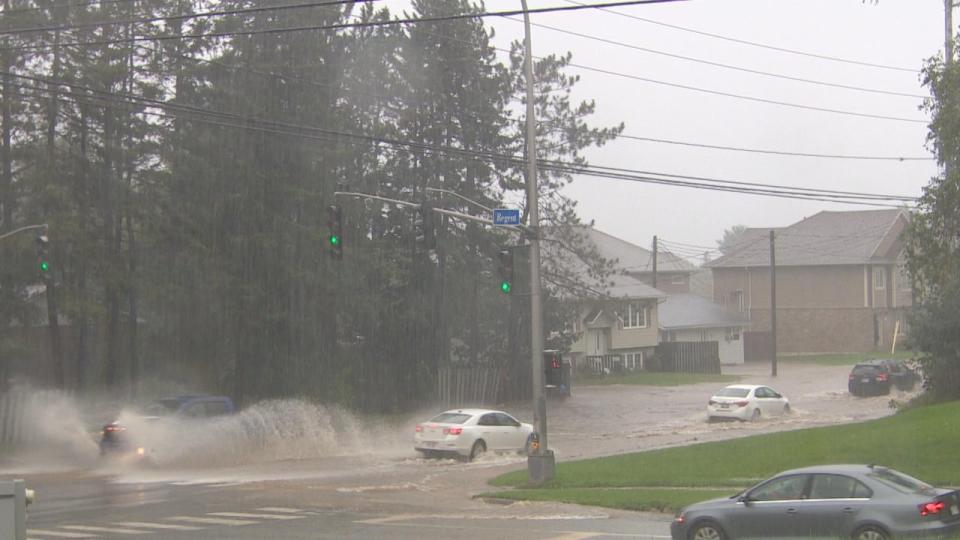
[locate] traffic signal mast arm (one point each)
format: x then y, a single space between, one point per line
21 229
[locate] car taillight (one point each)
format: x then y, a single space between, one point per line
711 402
419 428
851 377
742 403
114 427
931 508
452 430
881 376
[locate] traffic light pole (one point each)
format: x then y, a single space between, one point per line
540 465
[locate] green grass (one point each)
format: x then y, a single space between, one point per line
921 442
637 499
649 378
843 359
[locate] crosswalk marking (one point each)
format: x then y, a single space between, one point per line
166 526
254 516
59 534
279 510
213 521
111 530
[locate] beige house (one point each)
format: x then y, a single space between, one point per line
619 331
840 282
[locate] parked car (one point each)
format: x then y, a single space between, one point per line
746 402
861 502
116 438
471 432
878 376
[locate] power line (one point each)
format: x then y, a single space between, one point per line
556 166
203 14
75 4
774 152
342 26
725 66
754 43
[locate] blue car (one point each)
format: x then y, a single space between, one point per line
859 502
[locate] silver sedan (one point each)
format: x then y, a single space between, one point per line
861 502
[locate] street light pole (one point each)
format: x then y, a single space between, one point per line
21 229
540 465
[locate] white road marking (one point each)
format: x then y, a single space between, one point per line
253 516
165 526
59 534
280 510
575 536
109 530
213 521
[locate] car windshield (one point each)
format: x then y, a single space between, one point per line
864 370
162 407
734 392
901 482
450 418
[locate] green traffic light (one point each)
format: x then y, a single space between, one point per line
334 240
505 287
44 266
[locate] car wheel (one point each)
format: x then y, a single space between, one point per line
707 530
755 415
786 408
479 447
871 532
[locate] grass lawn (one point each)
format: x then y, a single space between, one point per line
921 442
649 378
843 359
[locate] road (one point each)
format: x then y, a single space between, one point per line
347 477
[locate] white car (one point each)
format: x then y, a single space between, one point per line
747 402
471 432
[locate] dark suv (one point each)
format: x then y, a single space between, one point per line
878 376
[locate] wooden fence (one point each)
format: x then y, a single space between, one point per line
689 357
463 386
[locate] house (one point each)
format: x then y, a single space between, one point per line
619 330
841 285
693 318
673 273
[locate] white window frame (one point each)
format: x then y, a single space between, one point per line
635 310
738 298
879 278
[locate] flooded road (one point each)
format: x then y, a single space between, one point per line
291 454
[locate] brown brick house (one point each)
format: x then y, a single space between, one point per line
840 282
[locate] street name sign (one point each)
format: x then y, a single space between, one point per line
506 216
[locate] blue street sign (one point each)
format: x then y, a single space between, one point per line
506 216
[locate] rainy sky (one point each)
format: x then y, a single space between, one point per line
614 49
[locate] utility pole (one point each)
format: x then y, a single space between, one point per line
773 306
540 465
654 284
948 32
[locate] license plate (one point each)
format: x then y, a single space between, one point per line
430 443
724 406
864 380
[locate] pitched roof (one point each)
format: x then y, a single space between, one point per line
826 238
631 257
627 287
692 311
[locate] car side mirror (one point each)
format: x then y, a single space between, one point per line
745 499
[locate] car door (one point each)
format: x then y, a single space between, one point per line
776 400
513 437
488 429
765 401
772 509
834 502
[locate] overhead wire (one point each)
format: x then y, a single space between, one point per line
514 160
754 43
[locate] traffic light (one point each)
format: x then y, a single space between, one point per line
335 235
428 224
552 367
43 257
505 258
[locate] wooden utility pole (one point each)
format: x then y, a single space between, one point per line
654 262
773 307
948 32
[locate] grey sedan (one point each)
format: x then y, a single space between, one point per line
862 502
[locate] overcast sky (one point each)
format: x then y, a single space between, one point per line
900 33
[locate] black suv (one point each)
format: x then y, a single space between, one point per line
878 376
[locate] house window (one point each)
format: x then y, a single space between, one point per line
704 335
635 316
879 278
736 297
633 361
733 334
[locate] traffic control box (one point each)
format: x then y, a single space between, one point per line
14 498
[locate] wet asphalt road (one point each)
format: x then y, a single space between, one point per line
387 491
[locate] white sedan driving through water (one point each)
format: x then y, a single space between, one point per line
471 432
746 402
